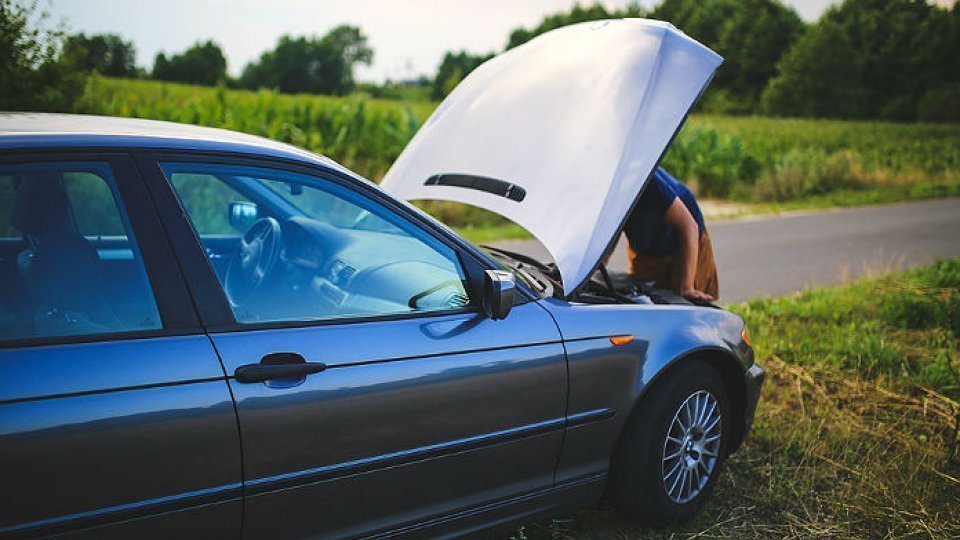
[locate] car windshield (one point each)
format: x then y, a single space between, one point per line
319 204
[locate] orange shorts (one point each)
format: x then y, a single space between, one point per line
666 271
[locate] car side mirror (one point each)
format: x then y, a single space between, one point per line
498 288
242 215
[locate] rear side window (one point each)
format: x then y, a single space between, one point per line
7 190
69 263
93 205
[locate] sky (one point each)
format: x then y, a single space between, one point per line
408 37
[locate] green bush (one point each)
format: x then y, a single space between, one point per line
802 172
714 163
940 105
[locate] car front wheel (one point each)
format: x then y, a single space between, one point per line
670 454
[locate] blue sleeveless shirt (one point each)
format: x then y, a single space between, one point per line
647 231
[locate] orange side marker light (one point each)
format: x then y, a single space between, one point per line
621 340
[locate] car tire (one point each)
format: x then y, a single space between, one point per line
661 481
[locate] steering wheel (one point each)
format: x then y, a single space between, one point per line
256 256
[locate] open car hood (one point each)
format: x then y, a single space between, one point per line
560 134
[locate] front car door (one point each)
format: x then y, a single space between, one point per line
423 407
115 417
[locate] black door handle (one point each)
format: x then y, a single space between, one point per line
277 366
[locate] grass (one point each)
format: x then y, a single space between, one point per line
363 133
857 431
766 164
484 234
775 160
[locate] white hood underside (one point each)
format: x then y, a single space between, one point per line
577 119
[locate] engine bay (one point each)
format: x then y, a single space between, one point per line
603 287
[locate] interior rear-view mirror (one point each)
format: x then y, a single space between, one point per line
243 214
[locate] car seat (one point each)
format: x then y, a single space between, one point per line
60 267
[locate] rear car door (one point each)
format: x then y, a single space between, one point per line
408 403
115 416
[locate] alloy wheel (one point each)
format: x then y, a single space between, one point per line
691 447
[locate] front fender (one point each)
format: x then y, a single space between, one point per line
607 381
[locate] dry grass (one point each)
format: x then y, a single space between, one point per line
857 431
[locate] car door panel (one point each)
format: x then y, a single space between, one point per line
412 418
426 406
105 366
116 419
359 504
106 433
213 521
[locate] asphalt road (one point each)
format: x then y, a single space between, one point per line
774 256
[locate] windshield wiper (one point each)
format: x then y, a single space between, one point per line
517 257
532 271
531 280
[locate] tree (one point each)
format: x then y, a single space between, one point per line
203 63
311 64
107 54
453 69
820 77
577 14
455 66
900 58
751 35
34 75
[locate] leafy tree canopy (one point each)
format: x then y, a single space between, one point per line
34 75
751 35
321 65
452 70
455 66
891 59
577 14
203 63
107 54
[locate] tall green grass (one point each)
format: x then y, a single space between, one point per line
761 159
751 159
363 133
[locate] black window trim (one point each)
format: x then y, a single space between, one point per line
212 305
172 300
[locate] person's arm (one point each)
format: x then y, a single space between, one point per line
678 216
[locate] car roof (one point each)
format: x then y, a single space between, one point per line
52 130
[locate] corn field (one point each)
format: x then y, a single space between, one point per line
755 159
362 133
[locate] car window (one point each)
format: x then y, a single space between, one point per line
69 264
336 211
207 200
314 249
7 191
92 205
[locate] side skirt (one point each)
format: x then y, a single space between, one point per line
501 514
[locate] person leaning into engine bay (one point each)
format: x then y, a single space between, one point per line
667 241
